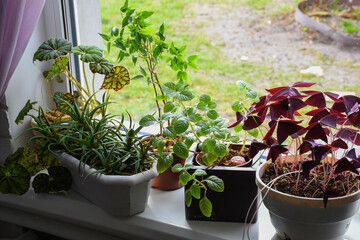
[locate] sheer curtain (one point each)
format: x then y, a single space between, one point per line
18 19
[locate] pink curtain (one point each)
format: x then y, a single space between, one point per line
18 19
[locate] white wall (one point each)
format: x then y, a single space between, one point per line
27 80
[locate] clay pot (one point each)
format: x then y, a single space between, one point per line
168 180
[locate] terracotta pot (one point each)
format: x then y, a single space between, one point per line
168 180
299 218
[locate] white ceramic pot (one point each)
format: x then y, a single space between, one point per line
117 195
299 218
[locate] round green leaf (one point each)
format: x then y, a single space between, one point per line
181 125
212 114
201 106
212 105
181 150
210 144
205 206
199 173
251 94
52 48
147 120
184 178
88 53
60 178
254 132
169 106
185 95
215 183
205 98
14 178
116 79
170 132
41 183
242 85
164 163
169 89
195 191
188 197
189 141
177 168
101 66
220 150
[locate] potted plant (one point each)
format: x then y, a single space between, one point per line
147 47
337 19
310 184
110 164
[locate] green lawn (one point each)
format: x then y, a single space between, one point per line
216 75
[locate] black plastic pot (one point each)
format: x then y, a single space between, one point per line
231 205
307 21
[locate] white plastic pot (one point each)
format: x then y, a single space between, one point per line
117 195
299 218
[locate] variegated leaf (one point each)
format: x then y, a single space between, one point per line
116 79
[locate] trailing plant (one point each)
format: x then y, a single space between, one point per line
349 27
200 123
312 134
137 39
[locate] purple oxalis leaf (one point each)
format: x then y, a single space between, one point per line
316 100
330 120
287 128
255 148
344 165
316 131
252 122
339 143
275 151
307 166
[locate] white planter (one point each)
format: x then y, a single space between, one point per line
299 218
117 195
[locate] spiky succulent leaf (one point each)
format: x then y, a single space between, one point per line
88 53
101 66
116 79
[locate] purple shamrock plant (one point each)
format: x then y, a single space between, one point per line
311 133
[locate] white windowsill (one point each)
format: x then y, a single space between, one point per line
73 217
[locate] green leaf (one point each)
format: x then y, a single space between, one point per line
181 125
242 85
142 71
101 66
212 105
215 183
188 166
181 150
88 53
211 158
239 127
201 106
170 132
14 178
233 139
189 141
52 48
177 168
192 58
184 178
210 144
169 106
251 94
199 173
220 150
169 89
24 111
221 133
41 183
166 116
146 14
237 106
212 114
188 197
147 120
115 31
205 98
195 191
105 37
137 77
205 206
58 67
254 132
117 78
147 31
125 6
59 179
164 163
185 95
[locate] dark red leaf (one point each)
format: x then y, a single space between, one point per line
316 131
344 165
350 101
347 134
270 141
329 194
330 120
239 119
351 154
318 115
339 143
339 106
278 109
332 96
320 152
270 132
295 104
287 128
255 148
274 90
306 146
307 166
315 111
303 84
356 163
252 122
275 151
357 139
354 118
317 100
263 100
284 93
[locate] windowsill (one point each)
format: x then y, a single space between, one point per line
73 217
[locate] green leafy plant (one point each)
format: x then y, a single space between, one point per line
137 39
349 27
203 124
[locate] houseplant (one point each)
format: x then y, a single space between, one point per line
311 184
149 48
110 164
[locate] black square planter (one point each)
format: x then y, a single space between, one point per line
233 203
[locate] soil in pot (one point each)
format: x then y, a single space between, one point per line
233 203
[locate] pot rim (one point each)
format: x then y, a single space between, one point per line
349 198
